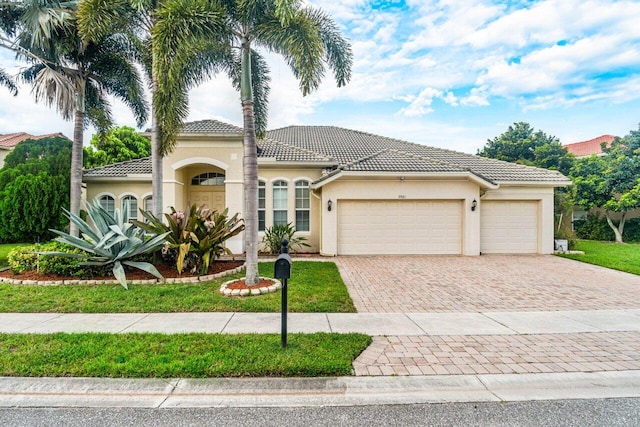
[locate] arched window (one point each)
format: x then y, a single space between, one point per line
209 178
262 190
280 203
130 203
108 203
302 206
148 204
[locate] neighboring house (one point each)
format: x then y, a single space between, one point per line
592 146
351 192
9 141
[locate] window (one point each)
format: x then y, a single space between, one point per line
280 203
302 205
209 178
108 203
261 205
148 204
132 203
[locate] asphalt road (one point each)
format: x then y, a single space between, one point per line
600 412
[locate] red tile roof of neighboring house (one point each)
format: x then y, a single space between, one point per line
10 140
592 146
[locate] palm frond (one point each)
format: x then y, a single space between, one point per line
7 81
57 89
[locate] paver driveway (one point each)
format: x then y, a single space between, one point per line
485 283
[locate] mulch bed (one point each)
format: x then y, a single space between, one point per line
167 270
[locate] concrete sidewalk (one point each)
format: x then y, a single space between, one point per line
375 324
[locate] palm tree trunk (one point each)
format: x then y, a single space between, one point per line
76 169
156 156
250 168
250 162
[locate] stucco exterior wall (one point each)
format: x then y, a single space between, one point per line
118 190
395 189
546 218
3 155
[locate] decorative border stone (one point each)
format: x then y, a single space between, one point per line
195 279
248 292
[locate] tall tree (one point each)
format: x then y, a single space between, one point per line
306 37
33 180
75 77
120 144
523 144
610 182
137 21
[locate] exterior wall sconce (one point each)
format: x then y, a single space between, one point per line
474 205
329 204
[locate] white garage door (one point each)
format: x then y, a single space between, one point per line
509 227
399 227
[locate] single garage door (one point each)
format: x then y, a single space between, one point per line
509 227
399 227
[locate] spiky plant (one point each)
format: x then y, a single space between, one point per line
110 239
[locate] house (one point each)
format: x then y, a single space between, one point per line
351 192
592 146
9 141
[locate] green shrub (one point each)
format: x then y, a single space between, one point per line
30 258
593 228
23 259
273 237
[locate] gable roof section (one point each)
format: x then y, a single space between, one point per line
589 147
122 169
10 140
211 126
349 146
282 152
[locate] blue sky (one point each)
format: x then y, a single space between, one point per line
445 73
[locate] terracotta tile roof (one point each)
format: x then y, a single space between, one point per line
592 146
10 140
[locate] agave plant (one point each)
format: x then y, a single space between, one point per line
197 231
110 239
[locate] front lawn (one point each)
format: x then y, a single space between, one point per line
178 356
315 287
5 248
623 257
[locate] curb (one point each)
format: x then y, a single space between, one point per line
312 392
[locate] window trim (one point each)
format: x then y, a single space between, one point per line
280 185
306 185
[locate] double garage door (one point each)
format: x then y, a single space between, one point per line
397 227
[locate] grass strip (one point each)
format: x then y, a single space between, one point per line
315 287
623 257
179 355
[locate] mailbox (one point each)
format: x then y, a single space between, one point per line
282 269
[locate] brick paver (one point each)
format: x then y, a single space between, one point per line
486 283
496 354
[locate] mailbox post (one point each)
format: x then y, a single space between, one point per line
282 271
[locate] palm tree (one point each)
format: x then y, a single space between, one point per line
75 77
9 15
306 37
137 20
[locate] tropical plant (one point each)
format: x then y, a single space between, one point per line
197 238
273 236
110 240
306 37
75 77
